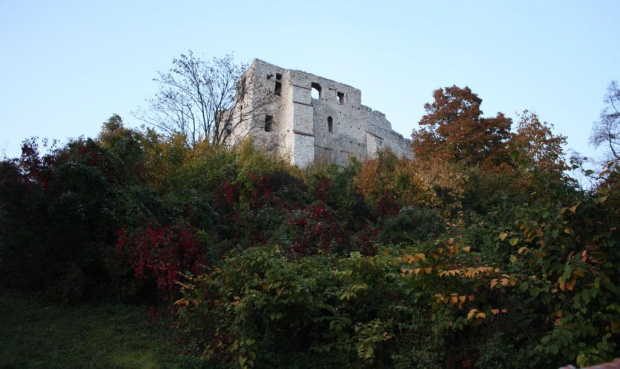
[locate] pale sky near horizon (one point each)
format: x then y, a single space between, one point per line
67 66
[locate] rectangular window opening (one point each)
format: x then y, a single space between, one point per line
315 92
278 89
268 123
341 97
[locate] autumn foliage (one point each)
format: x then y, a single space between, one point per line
481 252
454 130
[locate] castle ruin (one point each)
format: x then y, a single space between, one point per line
310 118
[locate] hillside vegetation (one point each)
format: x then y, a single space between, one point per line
479 253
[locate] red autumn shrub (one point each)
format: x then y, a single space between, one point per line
162 253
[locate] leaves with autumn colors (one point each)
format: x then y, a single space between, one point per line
480 252
420 183
454 130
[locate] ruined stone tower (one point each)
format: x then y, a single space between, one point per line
307 118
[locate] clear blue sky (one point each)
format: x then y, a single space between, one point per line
67 66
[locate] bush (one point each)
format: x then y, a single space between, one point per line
258 309
58 216
162 253
57 225
544 295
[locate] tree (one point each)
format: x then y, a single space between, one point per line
537 146
126 144
453 129
196 98
606 131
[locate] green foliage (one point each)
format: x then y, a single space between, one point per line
536 289
125 144
411 224
568 260
337 187
258 302
390 263
58 216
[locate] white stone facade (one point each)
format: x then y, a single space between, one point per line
311 118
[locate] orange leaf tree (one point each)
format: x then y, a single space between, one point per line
454 129
535 147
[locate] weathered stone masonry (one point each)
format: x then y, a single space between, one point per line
313 118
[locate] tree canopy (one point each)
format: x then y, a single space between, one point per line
453 129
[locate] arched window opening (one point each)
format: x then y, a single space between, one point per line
316 91
268 123
330 124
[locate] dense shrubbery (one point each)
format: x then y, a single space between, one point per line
537 291
59 215
388 263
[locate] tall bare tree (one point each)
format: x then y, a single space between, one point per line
200 99
606 131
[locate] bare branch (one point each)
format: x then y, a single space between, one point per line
606 131
196 98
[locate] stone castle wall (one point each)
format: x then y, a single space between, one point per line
309 118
